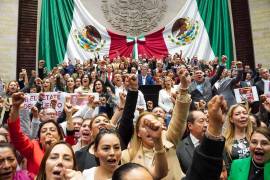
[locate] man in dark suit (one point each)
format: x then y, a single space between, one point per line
248 82
197 124
264 73
144 78
201 87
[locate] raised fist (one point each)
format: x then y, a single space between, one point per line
91 99
154 127
184 78
41 96
17 99
69 109
223 59
122 98
34 111
217 107
133 82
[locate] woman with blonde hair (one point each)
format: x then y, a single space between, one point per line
166 97
143 149
237 133
47 85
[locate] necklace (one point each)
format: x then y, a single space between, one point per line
257 168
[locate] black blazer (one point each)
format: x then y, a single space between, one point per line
207 160
260 87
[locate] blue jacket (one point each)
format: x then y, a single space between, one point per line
148 81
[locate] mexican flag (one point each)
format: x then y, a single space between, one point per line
201 28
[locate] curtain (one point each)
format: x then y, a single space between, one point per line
154 45
120 46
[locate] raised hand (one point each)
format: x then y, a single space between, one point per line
200 105
122 99
54 103
41 96
17 99
223 59
34 111
266 104
133 82
24 71
71 174
68 108
154 128
217 107
109 91
184 78
91 102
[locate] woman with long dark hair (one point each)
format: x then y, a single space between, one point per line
33 150
59 163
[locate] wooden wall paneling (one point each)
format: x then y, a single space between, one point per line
27 34
243 32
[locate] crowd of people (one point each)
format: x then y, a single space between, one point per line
196 130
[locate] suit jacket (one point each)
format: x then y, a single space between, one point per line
184 151
148 81
226 88
240 169
206 95
260 87
245 84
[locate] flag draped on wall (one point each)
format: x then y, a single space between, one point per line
67 30
201 28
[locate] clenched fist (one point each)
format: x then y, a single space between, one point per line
17 99
217 107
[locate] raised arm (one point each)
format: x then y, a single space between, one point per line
20 141
69 110
34 123
160 166
180 111
207 158
25 121
88 110
125 127
119 109
216 77
239 76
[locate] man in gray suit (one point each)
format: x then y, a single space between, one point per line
225 85
197 123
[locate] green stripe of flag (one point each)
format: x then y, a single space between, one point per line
216 17
55 25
